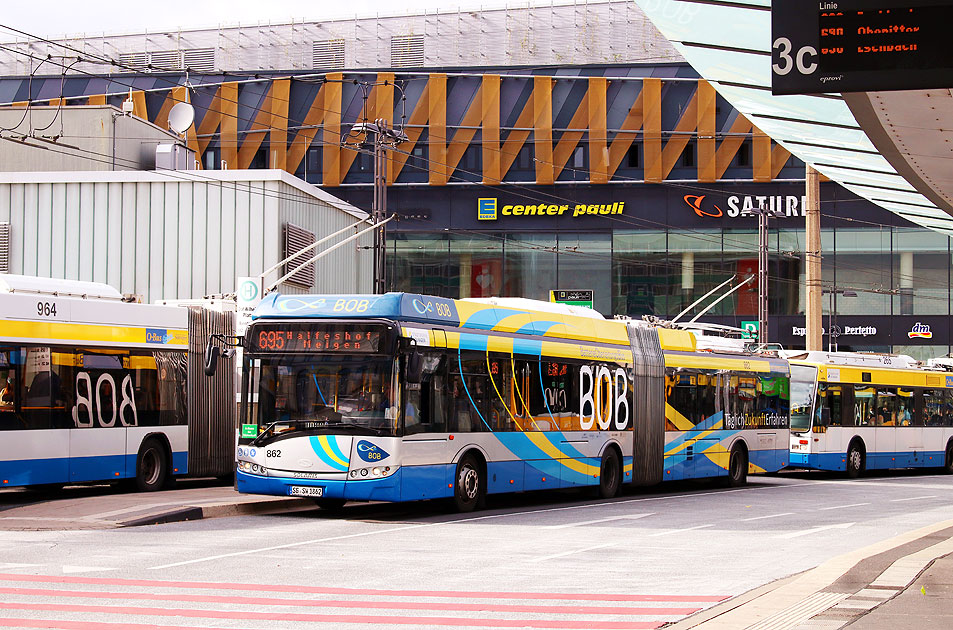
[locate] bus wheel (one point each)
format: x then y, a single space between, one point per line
330 505
151 466
855 461
609 474
737 468
469 484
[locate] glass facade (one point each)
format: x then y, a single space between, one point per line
866 271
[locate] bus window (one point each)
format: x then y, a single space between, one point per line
887 407
865 406
906 407
424 402
933 407
802 396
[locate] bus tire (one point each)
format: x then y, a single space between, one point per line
469 484
152 466
330 504
610 474
948 464
737 467
855 460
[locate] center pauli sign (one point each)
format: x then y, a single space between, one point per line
489 209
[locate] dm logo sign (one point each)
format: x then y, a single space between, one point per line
921 331
486 209
371 452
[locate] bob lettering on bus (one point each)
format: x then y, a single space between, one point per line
351 306
603 398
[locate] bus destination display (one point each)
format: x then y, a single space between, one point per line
305 337
859 45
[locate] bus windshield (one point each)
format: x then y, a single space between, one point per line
803 381
323 394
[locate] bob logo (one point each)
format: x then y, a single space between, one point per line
695 202
921 331
371 452
603 398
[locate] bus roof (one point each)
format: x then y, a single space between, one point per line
12 283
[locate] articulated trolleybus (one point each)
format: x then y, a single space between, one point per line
856 411
401 397
98 389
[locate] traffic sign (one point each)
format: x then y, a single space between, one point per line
750 329
575 297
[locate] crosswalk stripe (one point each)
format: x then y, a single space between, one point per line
147 603
384 620
350 603
321 590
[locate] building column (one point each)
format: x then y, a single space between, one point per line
688 278
906 283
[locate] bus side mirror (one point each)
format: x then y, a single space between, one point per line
211 358
414 367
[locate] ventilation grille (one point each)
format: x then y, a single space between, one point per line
328 54
4 247
199 59
195 59
407 51
296 239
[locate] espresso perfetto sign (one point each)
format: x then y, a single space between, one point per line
488 209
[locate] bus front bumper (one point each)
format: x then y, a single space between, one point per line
380 489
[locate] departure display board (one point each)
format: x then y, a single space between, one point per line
298 337
860 45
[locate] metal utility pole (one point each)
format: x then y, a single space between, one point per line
383 137
812 261
763 276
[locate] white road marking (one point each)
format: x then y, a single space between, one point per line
679 531
929 496
631 517
814 530
16 565
569 553
758 518
246 552
841 507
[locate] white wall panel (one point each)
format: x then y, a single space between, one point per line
172 236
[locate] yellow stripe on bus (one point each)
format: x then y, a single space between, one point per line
91 333
715 363
539 439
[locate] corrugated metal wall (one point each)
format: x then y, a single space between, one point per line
172 236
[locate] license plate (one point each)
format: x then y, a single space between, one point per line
307 491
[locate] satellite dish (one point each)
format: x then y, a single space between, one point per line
181 117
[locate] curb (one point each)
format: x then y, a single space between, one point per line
791 601
219 510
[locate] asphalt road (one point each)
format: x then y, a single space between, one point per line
555 560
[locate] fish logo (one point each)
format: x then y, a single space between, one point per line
695 203
371 452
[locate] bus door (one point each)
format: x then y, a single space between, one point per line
97 444
909 432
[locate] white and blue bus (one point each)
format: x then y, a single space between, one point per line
401 397
853 412
94 388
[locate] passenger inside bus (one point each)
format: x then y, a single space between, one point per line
6 394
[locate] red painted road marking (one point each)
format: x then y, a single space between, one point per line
95 625
383 620
323 603
317 590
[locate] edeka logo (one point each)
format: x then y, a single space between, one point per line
486 209
921 331
156 335
371 452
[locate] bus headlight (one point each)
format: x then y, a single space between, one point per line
244 467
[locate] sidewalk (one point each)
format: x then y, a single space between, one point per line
106 508
902 583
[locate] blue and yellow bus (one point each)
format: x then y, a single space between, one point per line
401 397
